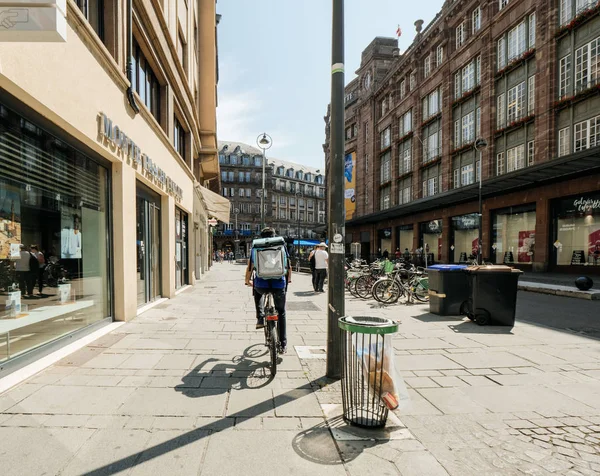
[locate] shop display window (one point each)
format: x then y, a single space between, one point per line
577 230
405 238
54 247
464 237
431 241
513 237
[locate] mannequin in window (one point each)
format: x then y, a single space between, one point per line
71 240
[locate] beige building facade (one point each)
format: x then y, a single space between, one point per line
106 166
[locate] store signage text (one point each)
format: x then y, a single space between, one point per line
132 153
586 204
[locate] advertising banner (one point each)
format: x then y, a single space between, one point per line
526 246
10 223
350 184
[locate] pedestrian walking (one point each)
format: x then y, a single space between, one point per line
24 270
321 265
311 263
42 264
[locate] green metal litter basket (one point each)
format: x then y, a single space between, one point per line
362 341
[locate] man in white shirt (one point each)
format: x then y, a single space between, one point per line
321 263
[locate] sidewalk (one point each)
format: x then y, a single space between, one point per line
558 284
182 390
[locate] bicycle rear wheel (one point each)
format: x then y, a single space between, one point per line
363 287
421 290
386 291
273 347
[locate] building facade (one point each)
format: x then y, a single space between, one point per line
523 76
107 152
294 198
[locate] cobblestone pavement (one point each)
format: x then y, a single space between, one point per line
183 389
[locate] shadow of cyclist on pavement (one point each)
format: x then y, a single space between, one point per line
216 376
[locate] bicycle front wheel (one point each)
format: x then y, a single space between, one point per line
273 347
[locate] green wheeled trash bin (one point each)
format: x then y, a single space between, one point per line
369 386
448 289
493 294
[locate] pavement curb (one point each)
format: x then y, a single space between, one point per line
564 291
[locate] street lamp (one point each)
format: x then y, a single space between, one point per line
265 142
298 197
479 145
236 240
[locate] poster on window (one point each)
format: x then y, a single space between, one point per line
594 247
10 221
474 248
526 246
350 184
70 234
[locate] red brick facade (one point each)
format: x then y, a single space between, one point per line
534 40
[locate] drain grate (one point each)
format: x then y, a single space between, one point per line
301 306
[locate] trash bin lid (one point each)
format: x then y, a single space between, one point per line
448 267
501 268
367 325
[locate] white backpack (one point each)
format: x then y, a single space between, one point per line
269 256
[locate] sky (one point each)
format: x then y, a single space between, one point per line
275 63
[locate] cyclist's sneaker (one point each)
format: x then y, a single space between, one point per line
283 349
260 323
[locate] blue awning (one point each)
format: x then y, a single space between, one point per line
308 242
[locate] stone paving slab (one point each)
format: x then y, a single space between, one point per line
184 389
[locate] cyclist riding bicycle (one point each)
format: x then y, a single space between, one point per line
277 287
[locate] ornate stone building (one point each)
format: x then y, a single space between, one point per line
523 76
294 200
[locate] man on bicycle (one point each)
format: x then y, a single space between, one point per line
277 287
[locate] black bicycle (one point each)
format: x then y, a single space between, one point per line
271 331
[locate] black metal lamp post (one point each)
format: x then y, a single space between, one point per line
479 145
265 142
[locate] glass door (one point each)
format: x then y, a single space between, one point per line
154 291
148 247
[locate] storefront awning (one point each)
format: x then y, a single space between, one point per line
563 168
218 206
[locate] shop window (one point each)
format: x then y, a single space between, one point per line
54 197
430 242
577 230
464 236
513 235
404 240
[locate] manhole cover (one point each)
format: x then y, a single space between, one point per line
301 306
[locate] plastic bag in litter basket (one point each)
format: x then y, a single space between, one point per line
379 369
